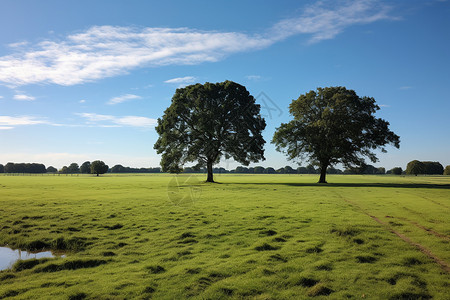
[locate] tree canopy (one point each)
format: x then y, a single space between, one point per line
415 167
334 125
424 167
85 167
73 168
207 121
447 170
99 167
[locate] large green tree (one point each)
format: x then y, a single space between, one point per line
207 121
73 168
99 167
333 125
85 167
415 167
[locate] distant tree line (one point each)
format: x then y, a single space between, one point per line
310 169
96 167
34 168
122 169
414 167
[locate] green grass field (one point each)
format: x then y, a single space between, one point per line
257 237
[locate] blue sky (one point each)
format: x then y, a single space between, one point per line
86 80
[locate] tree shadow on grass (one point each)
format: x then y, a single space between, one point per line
352 185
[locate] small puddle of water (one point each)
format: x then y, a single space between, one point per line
9 256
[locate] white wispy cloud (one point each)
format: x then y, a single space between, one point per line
105 51
114 121
1 97
82 101
326 19
6 127
123 98
10 121
23 97
182 81
253 77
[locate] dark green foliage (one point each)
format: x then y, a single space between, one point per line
73 243
366 259
21 265
7 276
433 168
114 227
396 171
410 296
411 261
307 282
258 170
447 170
71 265
10 293
98 167
51 169
85 167
424 167
33 168
319 290
315 249
2 168
155 269
269 232
415 167
37 245
78 296
149 290
73 168
278 257
333 125
266 247
122 169
205 122
358 241
345 231
187 235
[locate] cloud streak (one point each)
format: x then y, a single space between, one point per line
106 51
181 81
123 98
23 97
9 121
114 121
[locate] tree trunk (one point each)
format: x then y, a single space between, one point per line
323 174
210 171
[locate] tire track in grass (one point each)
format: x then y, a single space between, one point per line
428 230
443 264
